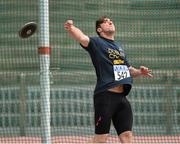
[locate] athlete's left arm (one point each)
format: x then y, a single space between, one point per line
142 71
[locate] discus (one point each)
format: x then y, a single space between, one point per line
28 30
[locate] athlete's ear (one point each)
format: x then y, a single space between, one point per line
99 30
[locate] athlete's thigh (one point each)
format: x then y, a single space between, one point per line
102 107
123 117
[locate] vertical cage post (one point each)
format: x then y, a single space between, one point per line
44 59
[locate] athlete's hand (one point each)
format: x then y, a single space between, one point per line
68 24
145 71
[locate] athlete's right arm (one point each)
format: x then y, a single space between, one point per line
76 33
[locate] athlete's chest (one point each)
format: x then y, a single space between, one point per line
113 52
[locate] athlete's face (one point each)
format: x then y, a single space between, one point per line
108 26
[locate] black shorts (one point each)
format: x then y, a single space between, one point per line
112 106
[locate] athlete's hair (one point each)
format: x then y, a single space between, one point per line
99 22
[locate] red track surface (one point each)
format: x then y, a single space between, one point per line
78 139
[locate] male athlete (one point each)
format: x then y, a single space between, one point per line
114 80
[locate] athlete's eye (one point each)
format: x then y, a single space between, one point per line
105 21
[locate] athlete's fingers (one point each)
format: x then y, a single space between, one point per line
68 24
149 75
145 71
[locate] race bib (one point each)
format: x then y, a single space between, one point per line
121 72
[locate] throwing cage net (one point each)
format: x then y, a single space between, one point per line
47 97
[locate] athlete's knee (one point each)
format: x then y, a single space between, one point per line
100 138
126 137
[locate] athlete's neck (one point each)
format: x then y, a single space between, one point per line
110 37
